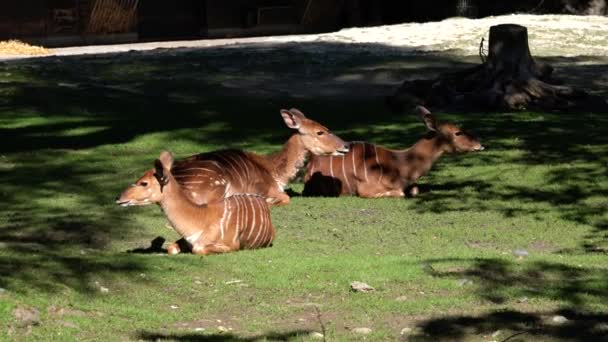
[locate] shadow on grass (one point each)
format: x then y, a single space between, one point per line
273 336
516 326
57 115
581 290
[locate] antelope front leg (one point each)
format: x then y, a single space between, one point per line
372 191
277 197
215 248
412 190
177 247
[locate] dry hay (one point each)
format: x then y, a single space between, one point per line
19 48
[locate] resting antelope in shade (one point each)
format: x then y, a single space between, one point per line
373 171
213 175
236 222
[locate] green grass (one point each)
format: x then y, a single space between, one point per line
442 264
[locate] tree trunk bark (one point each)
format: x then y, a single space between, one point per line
509 78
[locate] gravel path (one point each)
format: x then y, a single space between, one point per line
549 35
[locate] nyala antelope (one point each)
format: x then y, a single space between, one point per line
241 221
372 171
214 175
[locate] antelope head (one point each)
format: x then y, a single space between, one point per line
451 137
316 138
148 188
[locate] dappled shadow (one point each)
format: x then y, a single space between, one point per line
581 290
516 326
272 336
64 120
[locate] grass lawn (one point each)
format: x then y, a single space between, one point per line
496 246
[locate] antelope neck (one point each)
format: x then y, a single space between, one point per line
286 162
186 217
418 159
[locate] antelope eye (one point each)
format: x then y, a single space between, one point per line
458 133
143 183
320 133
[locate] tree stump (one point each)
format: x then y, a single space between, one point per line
509 78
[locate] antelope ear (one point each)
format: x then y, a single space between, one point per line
292 119
166 160
427 117
163 167
159 174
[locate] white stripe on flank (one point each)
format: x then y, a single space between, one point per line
222 221
232 167
227 190
192 238
345 177
312 166
229 216
364 163
215 163
245 164
239 210
260 227
378 162
252 226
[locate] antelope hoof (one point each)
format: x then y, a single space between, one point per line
414 191
173 249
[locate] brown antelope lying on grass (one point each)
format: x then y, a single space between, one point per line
236 222
214 175
372 171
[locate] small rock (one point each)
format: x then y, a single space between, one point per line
559 319
199 329
520 253
464 282
406 331
522 300
104 289
358 286
174 307
236 281
362 331
222 328
26 317
496 333
401 298
198 282
317 335
2 290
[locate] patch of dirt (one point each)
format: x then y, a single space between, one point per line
61 311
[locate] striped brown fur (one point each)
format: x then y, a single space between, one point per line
372 171
240 221
213 175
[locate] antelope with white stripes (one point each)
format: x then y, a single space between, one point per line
241 221
214 175
372 171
